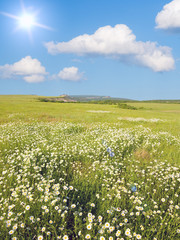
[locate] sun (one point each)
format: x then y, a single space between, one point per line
26 21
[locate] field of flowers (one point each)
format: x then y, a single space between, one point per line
95 181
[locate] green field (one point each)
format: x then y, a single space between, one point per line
89 171
29 109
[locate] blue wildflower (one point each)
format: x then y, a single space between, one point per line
109 150
133 188
111 154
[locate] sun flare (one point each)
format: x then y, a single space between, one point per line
26 21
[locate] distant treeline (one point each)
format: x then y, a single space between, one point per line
109 101
163 101
50 100
56 100
70 100
120 102
127 106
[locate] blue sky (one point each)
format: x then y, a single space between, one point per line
126 48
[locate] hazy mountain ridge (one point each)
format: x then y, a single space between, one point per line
87 98
64 98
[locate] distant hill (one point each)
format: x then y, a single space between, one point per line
88 98
60 99
98 99
82 98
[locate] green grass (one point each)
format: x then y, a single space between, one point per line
28 108
74 170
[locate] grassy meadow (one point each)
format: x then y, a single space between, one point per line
89 171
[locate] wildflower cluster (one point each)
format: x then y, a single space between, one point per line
58 181
139 119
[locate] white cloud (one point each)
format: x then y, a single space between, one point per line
120 43
34 78
31 71
70 74
169 16
27 68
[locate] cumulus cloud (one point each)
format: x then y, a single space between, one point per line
70 74
120 43
169 16
34 78
27 68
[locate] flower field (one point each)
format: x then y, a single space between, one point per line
88 181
